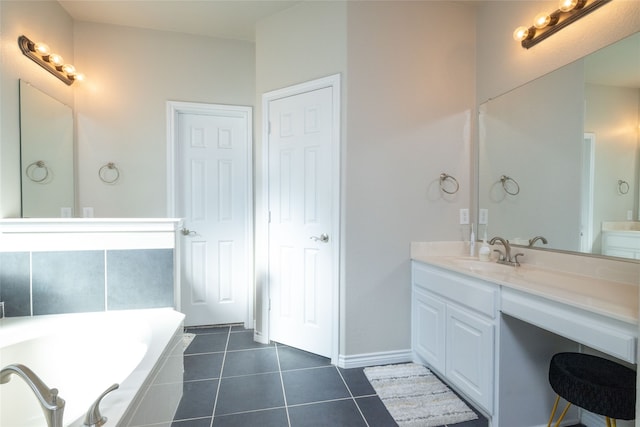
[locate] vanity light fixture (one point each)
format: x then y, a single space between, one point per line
41 54
545 24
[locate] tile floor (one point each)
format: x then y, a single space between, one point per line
230 380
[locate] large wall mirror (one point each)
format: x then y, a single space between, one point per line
559 157
46 155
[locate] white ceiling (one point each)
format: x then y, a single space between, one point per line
233 19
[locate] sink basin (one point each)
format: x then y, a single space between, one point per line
474 265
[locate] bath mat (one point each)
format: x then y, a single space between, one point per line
415 397
186 340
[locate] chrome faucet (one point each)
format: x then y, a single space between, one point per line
52 405
535 239
505 258
93 417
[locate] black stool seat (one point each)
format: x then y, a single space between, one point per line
595 384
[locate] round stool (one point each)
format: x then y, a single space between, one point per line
595 384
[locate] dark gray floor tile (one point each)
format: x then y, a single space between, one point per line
202 366
247 362
250 393
197 399
357 382
268 418
244 341
375 412
207 343
208 329
313 385
292 358
239 328
199 422
334 413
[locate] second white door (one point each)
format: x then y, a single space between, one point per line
302 236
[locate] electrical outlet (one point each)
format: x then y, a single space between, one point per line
483 216
87 212
464 216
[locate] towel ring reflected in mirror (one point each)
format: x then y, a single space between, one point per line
453 183
623 186
109 173
38 172
508 183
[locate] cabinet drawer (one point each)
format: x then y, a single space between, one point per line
471 293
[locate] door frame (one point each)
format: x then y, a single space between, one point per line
332 81
174 108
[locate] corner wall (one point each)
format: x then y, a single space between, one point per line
410 100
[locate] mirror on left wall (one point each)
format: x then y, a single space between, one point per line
46 155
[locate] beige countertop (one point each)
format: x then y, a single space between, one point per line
615 297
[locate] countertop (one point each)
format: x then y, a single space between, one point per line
617 299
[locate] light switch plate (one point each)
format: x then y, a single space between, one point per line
483 216
464 216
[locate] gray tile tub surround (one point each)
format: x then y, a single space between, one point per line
14 283
140 278
68 282
56 282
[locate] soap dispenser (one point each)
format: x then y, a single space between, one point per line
484 253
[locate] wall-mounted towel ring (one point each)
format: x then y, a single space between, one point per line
505 184
34 168
445 177
623 186
109 173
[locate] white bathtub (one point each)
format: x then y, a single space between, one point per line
83 354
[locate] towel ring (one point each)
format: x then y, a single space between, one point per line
505 179
106 168
444 177
623 186
33 167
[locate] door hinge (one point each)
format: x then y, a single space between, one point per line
269 127
269 216
269 304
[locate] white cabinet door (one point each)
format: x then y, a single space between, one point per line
469 354
428 329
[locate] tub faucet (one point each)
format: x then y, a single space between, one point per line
505 258
94 418
52 405
535 239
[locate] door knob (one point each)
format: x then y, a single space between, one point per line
324 238
186 232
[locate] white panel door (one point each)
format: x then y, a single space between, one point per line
214 199
301 247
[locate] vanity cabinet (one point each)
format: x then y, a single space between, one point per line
454 323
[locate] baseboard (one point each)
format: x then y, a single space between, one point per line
374 359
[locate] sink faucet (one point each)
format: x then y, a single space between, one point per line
535 239
506 257
52 405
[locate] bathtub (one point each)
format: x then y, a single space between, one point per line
83 354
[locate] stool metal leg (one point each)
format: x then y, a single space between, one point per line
553 413
611 422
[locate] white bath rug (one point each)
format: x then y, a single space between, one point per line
415 397
186 340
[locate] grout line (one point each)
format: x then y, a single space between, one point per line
352 396
224 357
284 394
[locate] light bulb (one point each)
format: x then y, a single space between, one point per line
56 59
69 69
42 49
569 5
521 33
78 76
542 20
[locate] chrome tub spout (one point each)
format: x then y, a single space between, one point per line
52 405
